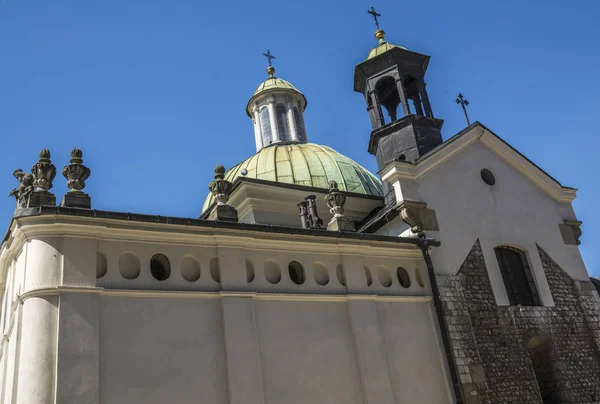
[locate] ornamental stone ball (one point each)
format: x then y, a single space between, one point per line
43 172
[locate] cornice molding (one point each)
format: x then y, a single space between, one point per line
114 230
169 294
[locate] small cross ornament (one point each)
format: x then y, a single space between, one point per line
269 56
463 103
375 15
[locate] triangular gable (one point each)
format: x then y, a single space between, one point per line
400 170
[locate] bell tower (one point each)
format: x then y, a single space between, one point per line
392 80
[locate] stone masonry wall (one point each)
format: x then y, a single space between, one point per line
489 342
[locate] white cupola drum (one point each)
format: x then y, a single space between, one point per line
277 110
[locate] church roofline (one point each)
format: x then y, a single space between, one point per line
445 151
479 124
178 221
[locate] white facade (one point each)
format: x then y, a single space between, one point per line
523 209
85 321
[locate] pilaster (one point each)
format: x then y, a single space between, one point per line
37 357
78 357
291 121
368 341
273 119
257 129
232 265
242 351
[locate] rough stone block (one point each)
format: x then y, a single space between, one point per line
226 213
77 200
341 224
41 198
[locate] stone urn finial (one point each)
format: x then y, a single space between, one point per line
335 199
220 187
76 173
43 172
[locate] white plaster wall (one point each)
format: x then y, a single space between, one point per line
134 347
161 350
307 353
415 362
10 363
79 265
513 212
78 349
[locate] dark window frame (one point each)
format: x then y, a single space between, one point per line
516 274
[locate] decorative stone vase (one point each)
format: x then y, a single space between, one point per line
43 172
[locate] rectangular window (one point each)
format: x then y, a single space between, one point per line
516 274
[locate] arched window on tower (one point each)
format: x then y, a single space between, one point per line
518 281
265 126
283 126
299 124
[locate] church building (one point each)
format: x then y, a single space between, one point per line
452 275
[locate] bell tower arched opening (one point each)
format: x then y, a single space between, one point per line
412 95
388 97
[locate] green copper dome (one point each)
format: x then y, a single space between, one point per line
383 46
306 164
273 84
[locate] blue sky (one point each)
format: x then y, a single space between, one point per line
154 91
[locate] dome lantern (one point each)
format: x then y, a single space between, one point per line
277 110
